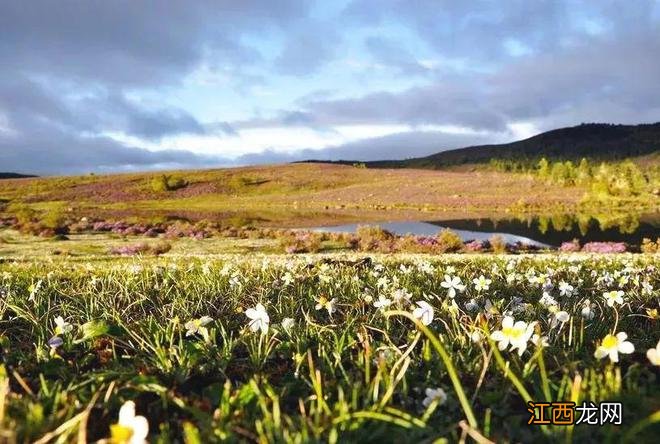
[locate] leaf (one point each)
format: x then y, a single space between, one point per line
191 434
93 329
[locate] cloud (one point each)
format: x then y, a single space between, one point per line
392 146
51 152
90 85
609 79
391 53
308 48
68 70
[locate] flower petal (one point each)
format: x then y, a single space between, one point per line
626 347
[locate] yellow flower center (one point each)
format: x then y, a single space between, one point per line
512 332
120 434
610 341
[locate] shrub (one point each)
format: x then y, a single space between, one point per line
160 248
131 249
497 244
55 220
300 241
570 247
415 244
449 241
23 213
604 247
166 183
648 246
476 246
374 238
142 248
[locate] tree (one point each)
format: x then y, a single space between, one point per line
543 168
558 173
583 172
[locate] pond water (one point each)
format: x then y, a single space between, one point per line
550 231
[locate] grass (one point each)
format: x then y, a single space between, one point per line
286 195
341 370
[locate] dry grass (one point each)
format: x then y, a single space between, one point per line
295 194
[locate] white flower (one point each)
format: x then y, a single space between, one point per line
130 429
287 279
401 295
606 279
614 296
565 289
476 336
437 394
654 354
558 317
425 267
424 312
323 302
540 340
613 345
452 284
198 326
234 281
647 289
547 300
62 327
382 282
481 283
515 333
34 289
288 323
259 318
587 311
382 303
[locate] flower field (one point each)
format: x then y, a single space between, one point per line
340 348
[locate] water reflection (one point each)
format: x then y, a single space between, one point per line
540 230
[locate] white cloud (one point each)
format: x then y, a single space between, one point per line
286 140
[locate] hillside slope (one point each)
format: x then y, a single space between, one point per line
14 176
290 194
595 141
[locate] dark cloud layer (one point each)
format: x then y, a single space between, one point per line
69 72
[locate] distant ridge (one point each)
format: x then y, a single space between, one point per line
599 141
14 176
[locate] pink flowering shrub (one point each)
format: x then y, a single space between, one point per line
570 247
604 247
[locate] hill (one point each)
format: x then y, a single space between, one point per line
596 141
289 195
14 176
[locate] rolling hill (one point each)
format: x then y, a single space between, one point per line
596 141
14 176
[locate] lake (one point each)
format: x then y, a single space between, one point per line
541 231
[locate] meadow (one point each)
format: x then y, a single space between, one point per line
326 348
290 195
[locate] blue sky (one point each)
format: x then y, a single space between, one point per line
124 85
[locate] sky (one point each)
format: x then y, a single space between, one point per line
124 85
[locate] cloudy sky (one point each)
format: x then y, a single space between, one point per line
133 85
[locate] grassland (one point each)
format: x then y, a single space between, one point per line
221 340
295 195
324 348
